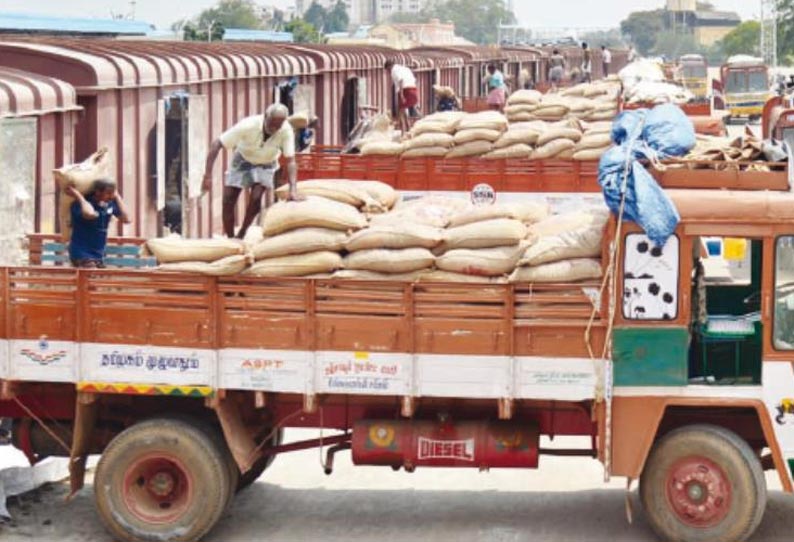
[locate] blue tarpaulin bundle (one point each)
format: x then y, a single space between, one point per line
659 133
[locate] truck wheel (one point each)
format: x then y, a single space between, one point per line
703 483
161 480
262 464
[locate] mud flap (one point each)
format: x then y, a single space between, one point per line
85 416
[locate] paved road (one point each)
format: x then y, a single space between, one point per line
566 500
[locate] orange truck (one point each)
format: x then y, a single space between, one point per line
678 368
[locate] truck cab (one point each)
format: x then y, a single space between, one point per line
745 83
693 74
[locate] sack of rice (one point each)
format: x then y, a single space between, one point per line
300 241
473 148
230 265
337 190
518 150
517 136
589 155
433 127
82 177
399 235
551 112
487 120
485 262
254 235
404 260
576 90
299 120
519 109
382 192
443 92
426 152
594 141
564 271
525 97
311 212
297 265
437 275
527 212
383 148
355 274
477 134
552 149
558 133
432 210
178 249
597 127
430 140
516 118
498 232
567 154
582 239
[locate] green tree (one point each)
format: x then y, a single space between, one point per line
475 20
302 31
785 30
337 20
673 45
225 14
642 27
745 39
317 16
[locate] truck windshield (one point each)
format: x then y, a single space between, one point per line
694 71
758 81
736 81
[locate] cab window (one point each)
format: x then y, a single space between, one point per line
784 294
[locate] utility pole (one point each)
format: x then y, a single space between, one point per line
769 32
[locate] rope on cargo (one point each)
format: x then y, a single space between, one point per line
44 426
609 284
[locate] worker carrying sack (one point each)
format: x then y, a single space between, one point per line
82 177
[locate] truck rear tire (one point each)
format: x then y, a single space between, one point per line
260 466
703 483
162 480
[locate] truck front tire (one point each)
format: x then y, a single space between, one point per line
162 480
703 483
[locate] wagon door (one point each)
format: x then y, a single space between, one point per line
18 142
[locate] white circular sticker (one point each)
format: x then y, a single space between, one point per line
483 194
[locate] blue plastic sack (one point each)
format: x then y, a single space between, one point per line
628 126
646 202
669 131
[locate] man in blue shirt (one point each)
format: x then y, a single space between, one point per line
90 219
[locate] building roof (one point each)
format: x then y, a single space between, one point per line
729 17
27 23
243 34
24 94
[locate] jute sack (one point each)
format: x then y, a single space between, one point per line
521 117
536 125
299 241
564 271
477 134
343 192
433 211
443 92
447 276
567 154
355 274
426 152
178 249
594 141
299 120
404 260
311 212
444 116
230 265
515 136
298 265
518 150
488 120
429 140
472 148
601 116
577 90
498 232
558 133
582 240
527 212
552 149
520 108
589 154
525 97
433 127
597 127
255 234
82 177
485 262
384 148
399 235
382 192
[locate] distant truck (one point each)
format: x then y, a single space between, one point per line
693 72
745 84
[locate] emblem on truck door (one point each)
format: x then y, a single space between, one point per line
483 194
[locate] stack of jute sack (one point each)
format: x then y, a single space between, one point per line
378 137
590 102
214 257
81 177
476 134
596 140
432 136
563 248
597 101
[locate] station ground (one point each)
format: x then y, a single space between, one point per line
565 500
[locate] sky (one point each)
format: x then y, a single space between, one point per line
560 13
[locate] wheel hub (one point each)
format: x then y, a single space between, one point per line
162 484
699 492
157 488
